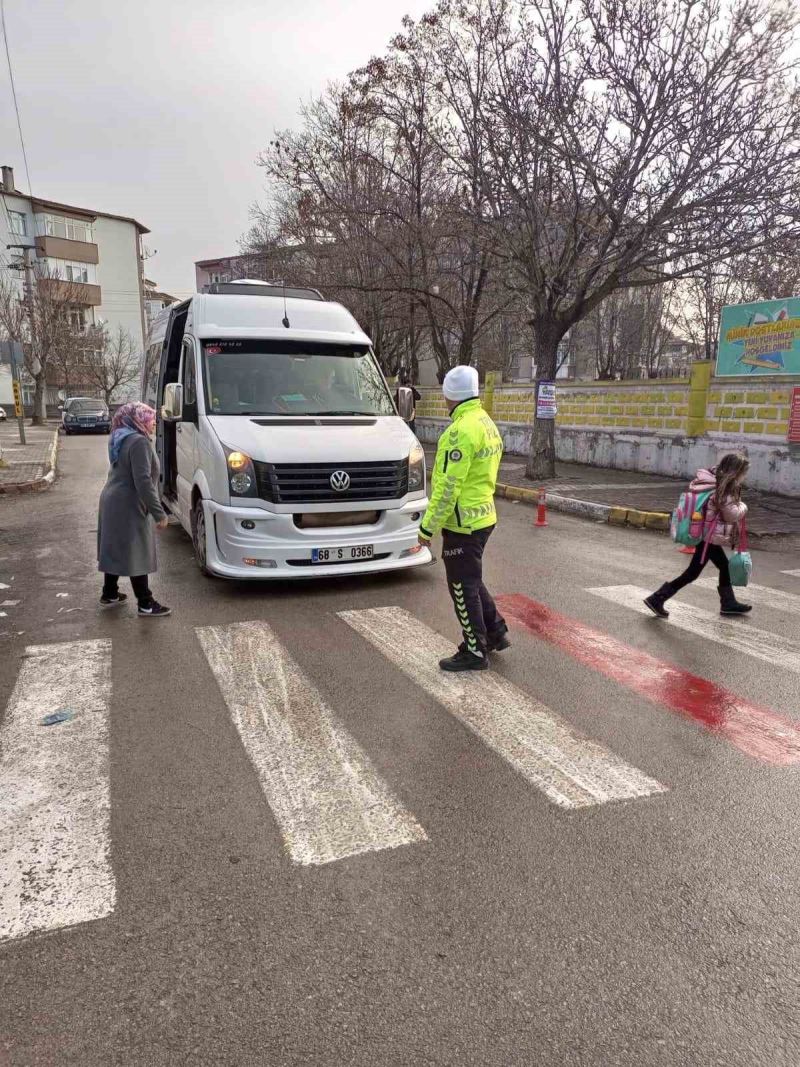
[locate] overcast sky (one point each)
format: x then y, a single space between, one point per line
157 108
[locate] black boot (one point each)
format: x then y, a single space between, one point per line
729 605
656 600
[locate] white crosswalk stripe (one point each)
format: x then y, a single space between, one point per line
570 770
762 594
738 634
320 785
792 574
54 792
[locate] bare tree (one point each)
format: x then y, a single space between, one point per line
42 324
766 273
369 183
632 144
111 360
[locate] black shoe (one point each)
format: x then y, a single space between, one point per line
465 661
729 605
153 610
113 601
499 643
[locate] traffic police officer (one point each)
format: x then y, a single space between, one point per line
462 507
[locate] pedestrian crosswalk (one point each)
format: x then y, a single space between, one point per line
763 596
570 770
321 787
750 640
325 796
54 791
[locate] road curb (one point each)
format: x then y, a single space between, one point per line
38 484
612 514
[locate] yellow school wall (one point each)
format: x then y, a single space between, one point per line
603 405
747 409
754 408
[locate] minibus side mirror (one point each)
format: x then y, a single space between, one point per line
172 408
405 403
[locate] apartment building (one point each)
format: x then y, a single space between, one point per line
228 269
100 254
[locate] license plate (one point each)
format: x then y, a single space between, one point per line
334 555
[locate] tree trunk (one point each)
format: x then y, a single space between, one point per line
39 417
542 459
541 464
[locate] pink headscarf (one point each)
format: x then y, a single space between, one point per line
137 416
129 419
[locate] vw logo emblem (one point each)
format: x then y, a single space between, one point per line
340 481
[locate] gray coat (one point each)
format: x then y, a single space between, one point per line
129 508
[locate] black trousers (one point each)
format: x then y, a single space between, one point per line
141 587
477 613
716 554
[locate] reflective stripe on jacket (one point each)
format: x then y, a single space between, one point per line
465 473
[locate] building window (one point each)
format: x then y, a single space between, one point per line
69 270
80 318
18 223
77 272
69 229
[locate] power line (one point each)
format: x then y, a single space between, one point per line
14 95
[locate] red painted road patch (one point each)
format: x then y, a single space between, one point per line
755 730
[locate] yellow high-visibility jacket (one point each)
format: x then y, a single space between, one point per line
465 473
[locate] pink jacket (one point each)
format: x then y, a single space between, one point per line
726 532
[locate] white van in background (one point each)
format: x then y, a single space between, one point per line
282 453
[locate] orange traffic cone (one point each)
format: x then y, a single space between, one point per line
541 509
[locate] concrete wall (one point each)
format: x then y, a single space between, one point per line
668 427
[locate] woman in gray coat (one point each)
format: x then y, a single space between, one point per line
130 509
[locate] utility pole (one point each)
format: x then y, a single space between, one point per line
29 284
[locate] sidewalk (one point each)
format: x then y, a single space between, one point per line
632 498
31 466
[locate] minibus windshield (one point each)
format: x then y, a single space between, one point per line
293 378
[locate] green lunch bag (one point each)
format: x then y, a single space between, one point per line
740 563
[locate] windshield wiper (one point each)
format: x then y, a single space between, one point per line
338 413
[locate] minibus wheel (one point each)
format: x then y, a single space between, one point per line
199 537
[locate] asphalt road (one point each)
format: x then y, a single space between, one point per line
510 928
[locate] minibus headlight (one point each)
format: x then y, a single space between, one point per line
237 461
416 469
241 473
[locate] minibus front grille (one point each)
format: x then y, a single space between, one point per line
310 483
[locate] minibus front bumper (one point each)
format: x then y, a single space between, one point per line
272 546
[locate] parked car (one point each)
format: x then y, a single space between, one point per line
85 414
3 415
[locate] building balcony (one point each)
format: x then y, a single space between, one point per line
63 248
73 292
